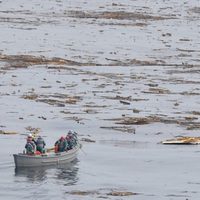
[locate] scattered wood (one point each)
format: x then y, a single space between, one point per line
23 61
118 15
125 102
71 100
83 193
2 132
191 118
117 193
90 111
104 193
120 128
153 90
31 96
87 140
193 126
152 84
183 140
134 121
46 86
195 113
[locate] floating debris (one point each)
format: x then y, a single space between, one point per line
90 111
87 140
120 128
125 102
117 193
183 140
119 15
32 96
83 193
2 132
100 192
157 91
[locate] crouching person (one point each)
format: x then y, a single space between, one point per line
40 144
30 145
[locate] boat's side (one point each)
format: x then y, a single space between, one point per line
23 160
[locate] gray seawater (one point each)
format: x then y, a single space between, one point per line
153 171
117 161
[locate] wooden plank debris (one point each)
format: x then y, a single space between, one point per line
183 140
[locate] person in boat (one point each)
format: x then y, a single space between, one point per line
30 145
40 144
61 145
71 139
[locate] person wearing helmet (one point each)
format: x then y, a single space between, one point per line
40 144
30 145
61 145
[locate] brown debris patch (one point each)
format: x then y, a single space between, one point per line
123 129
120 98
195 113
191 118
193 126
183 140
31 96
87 140
143 62
130 62
124 24
76 119
190 124
102 192
2 132
157 91
138 99
92 105
71 100
195 10
52 102
117 193
189 93
134 121
24 61
90 111
118 15
59 100
83 193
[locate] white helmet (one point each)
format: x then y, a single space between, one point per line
30 135
70 132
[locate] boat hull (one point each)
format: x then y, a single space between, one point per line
23 160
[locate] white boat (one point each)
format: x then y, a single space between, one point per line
47 159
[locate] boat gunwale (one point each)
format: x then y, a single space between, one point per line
49 154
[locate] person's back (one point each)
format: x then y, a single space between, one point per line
61 144
71 139
30 146
40 144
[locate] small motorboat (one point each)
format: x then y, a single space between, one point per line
46 159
